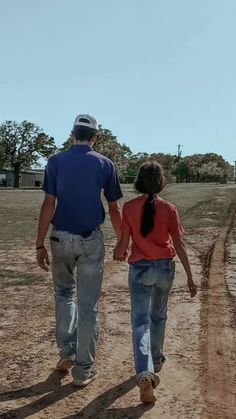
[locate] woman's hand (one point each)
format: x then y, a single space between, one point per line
119 254
192 287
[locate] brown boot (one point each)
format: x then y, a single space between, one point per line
64 364
146 391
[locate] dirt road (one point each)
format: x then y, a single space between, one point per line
198 378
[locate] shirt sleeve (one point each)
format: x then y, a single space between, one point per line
49 184
112 189
175 228
125 226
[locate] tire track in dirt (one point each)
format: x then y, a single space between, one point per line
197 206
217 342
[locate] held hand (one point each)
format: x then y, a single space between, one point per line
43 259
125 255
192 287
118 255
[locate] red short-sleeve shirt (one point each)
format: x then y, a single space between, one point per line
158 243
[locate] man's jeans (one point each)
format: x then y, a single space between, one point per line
77 264
150 282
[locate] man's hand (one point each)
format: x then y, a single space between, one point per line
118 256
120 253
192 287
43 259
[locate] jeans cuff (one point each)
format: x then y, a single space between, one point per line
82 373
66 355
147 374
160 361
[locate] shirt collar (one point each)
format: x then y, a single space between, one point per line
81 147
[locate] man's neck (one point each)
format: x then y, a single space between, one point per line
82 143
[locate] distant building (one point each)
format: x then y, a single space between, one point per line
32 178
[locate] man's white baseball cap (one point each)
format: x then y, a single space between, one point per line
86 120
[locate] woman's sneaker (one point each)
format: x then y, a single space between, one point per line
84 382
64 364
146 391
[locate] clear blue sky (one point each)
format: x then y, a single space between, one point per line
157 73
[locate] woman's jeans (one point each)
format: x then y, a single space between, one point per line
77 265
150 282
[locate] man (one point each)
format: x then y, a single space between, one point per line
73 184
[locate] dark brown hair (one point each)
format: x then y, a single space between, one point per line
83 133
150 180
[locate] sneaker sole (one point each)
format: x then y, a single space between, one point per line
146 391
84 383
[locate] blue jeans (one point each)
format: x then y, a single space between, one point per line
77 265
150 282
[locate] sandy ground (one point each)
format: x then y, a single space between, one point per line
198 379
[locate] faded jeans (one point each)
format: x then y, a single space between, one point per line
77 265
150 282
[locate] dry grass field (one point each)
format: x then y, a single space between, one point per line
198 379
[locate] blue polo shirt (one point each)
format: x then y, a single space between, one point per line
77 177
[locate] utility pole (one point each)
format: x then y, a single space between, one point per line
180 148
235 172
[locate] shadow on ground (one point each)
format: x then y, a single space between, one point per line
98 408
52 386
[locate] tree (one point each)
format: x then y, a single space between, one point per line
21 145
210 172
134 162
183 171
108 145
167 161
209 167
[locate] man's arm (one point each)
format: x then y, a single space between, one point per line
115 216
46 213
120 251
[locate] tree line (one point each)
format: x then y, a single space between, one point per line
22 145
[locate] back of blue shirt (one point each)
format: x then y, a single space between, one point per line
77 177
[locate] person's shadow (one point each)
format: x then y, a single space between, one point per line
98 408
52 390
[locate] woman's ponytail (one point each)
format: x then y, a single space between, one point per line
148 217
149 180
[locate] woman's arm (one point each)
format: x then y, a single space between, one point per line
183 256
